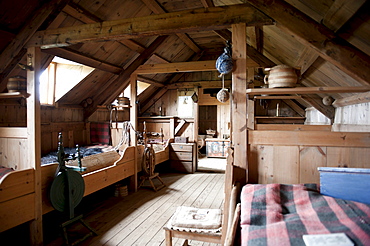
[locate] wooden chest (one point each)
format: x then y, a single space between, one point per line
345 183
217 147
183 157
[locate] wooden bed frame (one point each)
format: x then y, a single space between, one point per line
17 188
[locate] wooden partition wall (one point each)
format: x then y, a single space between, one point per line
13 147
293 157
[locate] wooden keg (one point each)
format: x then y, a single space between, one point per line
17 83
281 76
123 101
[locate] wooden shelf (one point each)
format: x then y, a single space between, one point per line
306 90
14 95
277 97
279 120
121 106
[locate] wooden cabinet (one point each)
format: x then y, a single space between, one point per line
183 157
217 147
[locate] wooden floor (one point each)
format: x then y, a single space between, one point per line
138 218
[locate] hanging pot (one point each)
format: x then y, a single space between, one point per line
281 76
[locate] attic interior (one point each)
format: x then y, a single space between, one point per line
144 89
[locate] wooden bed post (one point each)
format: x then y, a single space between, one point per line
133 119
34 139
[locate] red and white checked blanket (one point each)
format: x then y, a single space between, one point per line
277 214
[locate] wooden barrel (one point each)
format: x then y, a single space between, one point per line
123 101
281 76
17 83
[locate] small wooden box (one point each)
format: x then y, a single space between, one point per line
181 139
345 183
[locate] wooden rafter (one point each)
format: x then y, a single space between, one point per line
316 102
149 101
79 13
150 81
340 12
355 99
14 52
320 38
84 59
157 9
334 20
163 24
114 88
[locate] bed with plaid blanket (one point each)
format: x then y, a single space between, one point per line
278 214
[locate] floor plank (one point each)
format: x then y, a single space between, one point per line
138 218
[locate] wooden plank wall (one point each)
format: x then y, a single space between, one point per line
168 102
13 147
69 121
293 157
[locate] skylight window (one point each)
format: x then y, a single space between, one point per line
59 78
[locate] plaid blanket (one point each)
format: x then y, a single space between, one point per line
277 214
5 170
99 133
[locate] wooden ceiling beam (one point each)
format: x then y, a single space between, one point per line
74 10
148 101
340 12
355 99
203 84
320 38
114 88
316 102
150 81
153 25
25 34
207 3
306 59
255 55
177 67
83 59
157 9
79 13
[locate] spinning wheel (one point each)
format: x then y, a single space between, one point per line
66 192
200 143
148 165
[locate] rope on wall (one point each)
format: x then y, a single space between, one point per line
125 137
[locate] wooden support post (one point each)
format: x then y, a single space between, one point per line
134 122
34 139
172 128
196 125
238 119
239 98
250 103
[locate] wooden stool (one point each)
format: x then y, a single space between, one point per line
199 236
191 226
